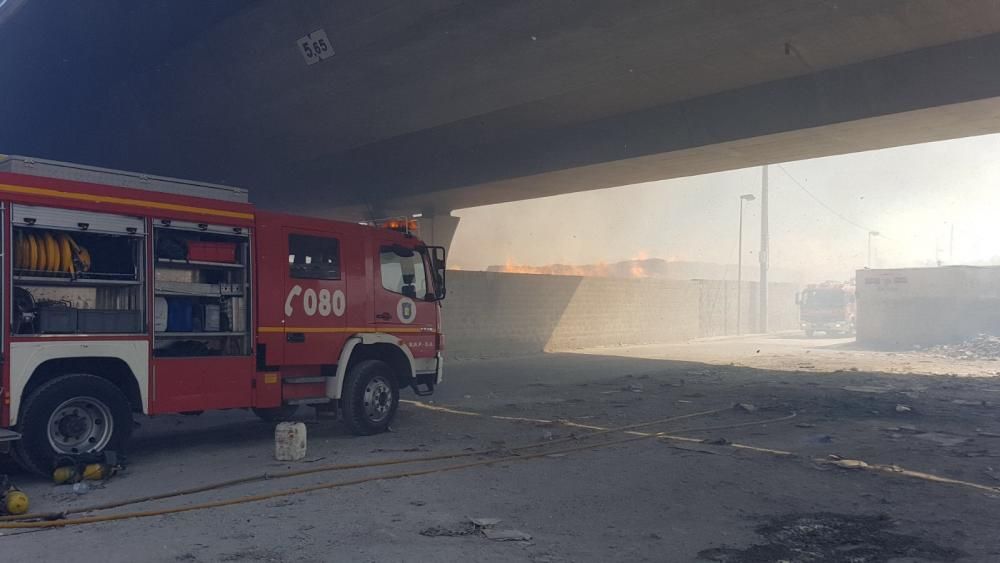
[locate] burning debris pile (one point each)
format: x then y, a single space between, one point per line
979 347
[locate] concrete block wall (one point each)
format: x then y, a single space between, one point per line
492 314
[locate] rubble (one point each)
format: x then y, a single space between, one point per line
979 347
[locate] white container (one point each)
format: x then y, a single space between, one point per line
160 314
289 441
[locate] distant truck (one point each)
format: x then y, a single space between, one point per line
828 307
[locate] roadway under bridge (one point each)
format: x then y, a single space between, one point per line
429 106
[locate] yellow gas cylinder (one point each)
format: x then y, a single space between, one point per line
65 474
15 501
94 472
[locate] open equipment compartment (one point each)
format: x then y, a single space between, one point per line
201 289
77 272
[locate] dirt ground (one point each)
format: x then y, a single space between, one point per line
707 498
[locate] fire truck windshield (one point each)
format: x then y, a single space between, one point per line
821 299
405 275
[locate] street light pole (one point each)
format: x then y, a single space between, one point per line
739 265
765 250
870 235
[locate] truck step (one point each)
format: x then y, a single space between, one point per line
9 435
301 380
309 401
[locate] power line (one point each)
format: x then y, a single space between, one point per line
827 207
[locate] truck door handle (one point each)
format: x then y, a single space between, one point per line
383 316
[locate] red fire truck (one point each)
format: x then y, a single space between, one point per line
129 294
828 307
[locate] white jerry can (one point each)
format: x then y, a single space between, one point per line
289 441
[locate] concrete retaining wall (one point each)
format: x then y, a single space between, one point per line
490 314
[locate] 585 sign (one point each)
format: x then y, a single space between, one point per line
315 47
323 302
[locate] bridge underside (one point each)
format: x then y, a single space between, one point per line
436 105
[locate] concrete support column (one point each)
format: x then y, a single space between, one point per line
438 230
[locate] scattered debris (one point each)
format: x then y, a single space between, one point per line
970 403
903 408
866 388
464 529
716 441
745 407
418 502
506 535
849 463
482 526
979 347
942 439
805 425
826 536
992 473
634 387
987 434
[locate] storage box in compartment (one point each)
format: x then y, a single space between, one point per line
212 252
97 321
57 320
189 289
207 318
177 275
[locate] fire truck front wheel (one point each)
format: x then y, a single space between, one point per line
370 397
71 414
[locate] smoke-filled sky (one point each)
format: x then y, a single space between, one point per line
912 195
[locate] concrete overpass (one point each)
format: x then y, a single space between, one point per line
434 105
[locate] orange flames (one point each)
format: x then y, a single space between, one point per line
638 270
632 268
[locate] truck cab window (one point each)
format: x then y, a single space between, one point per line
405 275
313 258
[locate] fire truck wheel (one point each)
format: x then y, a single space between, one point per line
71 414
370 398
276 414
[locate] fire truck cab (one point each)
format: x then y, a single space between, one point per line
828 307
131 294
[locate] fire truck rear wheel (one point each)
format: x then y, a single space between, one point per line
72 414
370 398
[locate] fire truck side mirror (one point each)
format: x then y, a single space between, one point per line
438 262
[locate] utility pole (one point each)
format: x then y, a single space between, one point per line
739 266
951 245
764 255
870 235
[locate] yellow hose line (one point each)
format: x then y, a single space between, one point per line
897 470
874 467
320 487
347 466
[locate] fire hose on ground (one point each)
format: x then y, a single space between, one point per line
59 519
